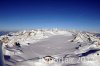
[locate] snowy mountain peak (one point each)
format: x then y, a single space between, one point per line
25 46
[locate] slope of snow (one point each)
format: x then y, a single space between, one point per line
85 37
28 47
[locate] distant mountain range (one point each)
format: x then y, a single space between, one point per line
3 32
98 34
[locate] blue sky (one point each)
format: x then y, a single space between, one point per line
67 14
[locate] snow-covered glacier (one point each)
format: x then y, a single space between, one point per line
51 47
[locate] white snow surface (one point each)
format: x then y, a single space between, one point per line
59 44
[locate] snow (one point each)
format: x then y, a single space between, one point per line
59 44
